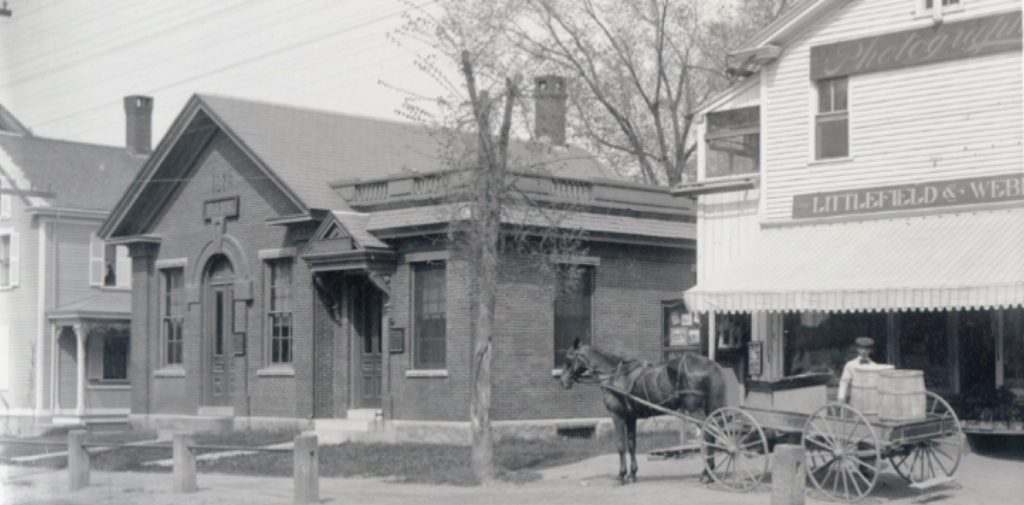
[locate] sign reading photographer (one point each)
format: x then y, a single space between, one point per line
948 41
999 188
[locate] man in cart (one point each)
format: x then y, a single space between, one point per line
864 347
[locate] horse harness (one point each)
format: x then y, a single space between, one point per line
682 371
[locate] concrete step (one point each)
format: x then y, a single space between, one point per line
364 414
342 425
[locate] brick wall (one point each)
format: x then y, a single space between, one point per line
630 283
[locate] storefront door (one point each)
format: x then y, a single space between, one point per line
217 320
977 350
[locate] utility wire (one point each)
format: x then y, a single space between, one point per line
239 63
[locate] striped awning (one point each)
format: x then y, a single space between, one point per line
949 261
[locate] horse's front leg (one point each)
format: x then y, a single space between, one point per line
620 435
631 433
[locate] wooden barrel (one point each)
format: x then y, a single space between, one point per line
901 395
864 387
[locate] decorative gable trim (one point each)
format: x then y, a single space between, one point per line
193 110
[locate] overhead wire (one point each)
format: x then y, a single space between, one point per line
236 64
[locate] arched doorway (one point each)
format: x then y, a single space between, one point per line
218 301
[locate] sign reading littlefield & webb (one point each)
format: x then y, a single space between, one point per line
954 192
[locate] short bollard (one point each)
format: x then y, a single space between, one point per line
78 460
788 477
307 469
184 463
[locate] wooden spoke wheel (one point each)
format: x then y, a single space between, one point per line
935 456
843 453
734 448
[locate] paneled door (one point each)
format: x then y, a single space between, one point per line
217 319
368 314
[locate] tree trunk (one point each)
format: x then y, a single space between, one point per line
480 408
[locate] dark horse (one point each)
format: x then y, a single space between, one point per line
690 383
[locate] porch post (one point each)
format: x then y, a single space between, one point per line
80 364
54 363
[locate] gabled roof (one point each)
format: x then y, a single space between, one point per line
79 176
301 150
10 124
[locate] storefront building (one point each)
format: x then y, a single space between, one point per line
866 178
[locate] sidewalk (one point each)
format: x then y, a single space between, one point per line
982 481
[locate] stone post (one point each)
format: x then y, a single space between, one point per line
307 470
184 464
78 460
788 475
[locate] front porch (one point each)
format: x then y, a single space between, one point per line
88 374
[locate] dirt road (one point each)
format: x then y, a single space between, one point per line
981 480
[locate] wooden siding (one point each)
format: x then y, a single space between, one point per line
18 312
726 224
930 122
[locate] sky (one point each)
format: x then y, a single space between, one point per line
65 65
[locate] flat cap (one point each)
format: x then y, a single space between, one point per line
865 342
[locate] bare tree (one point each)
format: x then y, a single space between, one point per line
490 217
640 69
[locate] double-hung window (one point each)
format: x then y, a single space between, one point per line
279 310
173 315
574 290
8 260
832 123
430 313
109 264
928 4
733 141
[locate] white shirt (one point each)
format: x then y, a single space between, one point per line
847 377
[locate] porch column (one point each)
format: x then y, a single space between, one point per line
80 364
54 373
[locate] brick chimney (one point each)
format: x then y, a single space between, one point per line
138 129
550 108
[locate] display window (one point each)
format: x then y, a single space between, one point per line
820 342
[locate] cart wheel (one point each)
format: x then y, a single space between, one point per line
939 455
842 450
734 448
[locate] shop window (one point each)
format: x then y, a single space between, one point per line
832 123
430 311
109 264
279 309
1013 350
173 315
732 331
574 291
820 342
924 345
733 142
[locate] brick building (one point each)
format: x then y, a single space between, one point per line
289 265
64 294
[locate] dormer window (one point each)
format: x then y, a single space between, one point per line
733 142
945 3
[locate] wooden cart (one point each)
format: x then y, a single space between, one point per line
845 448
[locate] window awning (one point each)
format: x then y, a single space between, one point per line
937 262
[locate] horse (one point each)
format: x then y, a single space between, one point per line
689 383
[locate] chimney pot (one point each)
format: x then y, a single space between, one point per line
550 108
138 112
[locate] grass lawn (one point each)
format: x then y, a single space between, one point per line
517 461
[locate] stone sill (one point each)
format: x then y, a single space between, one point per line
426 374
276 371
169 372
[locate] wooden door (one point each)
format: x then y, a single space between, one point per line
368 315
217 315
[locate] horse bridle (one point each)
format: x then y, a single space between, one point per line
589 366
